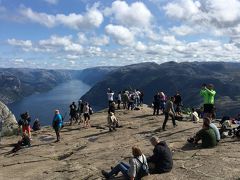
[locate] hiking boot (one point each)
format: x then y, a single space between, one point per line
105 174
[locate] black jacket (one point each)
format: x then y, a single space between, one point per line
161 158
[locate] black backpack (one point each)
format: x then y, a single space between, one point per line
143 171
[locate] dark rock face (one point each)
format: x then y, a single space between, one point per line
170 77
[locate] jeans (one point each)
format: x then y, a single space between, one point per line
166 119
156 109
122 167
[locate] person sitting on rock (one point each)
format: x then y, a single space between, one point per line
135 170
25 123
161 161
36 125
112 122
206 134
24 142
57 124
194 116
111 108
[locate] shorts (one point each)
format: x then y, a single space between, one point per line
208 108
26 128
86 116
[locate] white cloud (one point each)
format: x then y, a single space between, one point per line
100 41
135 14
65 42
82 38
54 2
122 35
26 45
182 9
140 46
170 39
217 13
93 18
183 30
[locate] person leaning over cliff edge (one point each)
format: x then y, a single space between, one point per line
161 161
135 170
57 124
208 93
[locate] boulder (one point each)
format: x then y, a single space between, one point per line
9 124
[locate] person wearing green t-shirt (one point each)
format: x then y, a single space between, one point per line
206 135
208 93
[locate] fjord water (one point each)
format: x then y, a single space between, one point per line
42 105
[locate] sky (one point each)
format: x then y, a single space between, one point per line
77 34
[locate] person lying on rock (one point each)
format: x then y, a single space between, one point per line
24 142
161 161
206 134
135 170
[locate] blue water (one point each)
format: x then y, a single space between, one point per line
42 105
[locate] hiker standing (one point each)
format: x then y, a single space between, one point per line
162 101
57 124
86 114
156 104
169 111
178 103
141 97
125 99
73 112
110 95
80 111
208 93
119 100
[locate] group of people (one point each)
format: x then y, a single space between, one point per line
139 165
77 111
129 99
209 133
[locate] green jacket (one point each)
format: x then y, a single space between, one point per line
208 95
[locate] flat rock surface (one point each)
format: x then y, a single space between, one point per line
83 153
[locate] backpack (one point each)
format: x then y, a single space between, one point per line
90 111
143 171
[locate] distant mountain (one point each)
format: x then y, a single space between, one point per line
91 76
169 77
18 83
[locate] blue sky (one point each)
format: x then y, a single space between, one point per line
78 34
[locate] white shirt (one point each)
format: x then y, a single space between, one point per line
110 96
194 116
